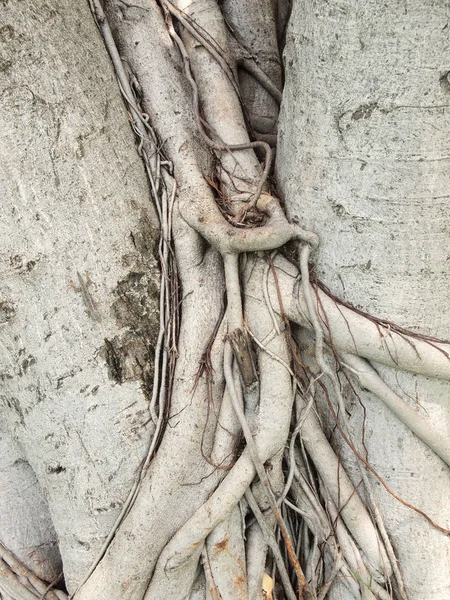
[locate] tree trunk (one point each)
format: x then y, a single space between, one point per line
363 159
190 408
79 290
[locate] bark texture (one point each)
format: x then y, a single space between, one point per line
78 290
364 159
262 405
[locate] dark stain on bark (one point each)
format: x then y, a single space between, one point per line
444 80
55 470
130 354
6 32
26 364
60 380
7 311
364 111
135 306
5 65
113 360
14 405
145 241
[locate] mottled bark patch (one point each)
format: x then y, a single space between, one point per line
13 405
130 354
145 240
7 310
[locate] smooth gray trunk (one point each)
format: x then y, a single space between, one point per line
363 159
78 289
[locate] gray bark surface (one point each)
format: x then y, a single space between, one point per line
363 159
260 408
78 288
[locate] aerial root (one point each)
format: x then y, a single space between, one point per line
204 216
272 542
338 484
256 554
424 429
177 558
225 548
19 582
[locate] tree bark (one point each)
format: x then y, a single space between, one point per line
79 289
363 159
286 408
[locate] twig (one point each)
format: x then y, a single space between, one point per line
267 296
50 587
12 571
